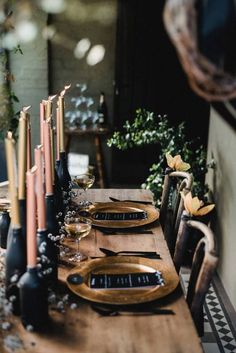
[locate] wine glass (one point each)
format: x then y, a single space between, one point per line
84 181
77 228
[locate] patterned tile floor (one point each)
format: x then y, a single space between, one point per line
220 335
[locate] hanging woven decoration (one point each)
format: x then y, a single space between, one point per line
205 78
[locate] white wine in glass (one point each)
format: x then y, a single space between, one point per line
78 228
84 181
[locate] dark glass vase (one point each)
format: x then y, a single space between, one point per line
33 300
48 253
4 228
63 173
15 267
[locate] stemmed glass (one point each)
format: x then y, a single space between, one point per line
84 181
77 228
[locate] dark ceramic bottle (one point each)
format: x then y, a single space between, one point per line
15 267
33 300
63 173
4 228
48 254
22 208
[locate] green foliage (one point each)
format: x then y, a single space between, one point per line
149 129
8 118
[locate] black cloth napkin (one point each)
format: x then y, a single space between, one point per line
125 281
121 216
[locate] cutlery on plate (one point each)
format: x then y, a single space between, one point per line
151 254
135 201
106 311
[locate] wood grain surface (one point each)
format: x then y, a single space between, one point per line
82 330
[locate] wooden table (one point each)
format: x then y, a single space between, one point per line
96 133
83 331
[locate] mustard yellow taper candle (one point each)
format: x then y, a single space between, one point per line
22 146
61 107
12 177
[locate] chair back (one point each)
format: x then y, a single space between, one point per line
172 207
203 266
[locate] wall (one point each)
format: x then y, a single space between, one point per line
71 26
45 68
222 147
31 76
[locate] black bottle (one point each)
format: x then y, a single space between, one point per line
22 209
4 227
102 110
58 197
63 173
15 267
33 300
48 253
51 220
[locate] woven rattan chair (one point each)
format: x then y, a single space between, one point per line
172 204
203 266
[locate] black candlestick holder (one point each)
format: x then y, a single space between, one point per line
33 300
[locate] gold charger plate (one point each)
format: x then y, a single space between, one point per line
122 207
123 264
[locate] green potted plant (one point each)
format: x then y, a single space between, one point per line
150 129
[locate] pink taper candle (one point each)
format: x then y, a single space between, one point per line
40 193
42 118
47 157
58 133
31 218
29 159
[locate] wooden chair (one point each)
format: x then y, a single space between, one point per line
203 265
172 207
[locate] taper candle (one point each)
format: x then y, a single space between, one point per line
29 158
49 106
47 157
52 148
58 133
42 118
22 154
61 107
61 115
31 218
12 177
40 193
